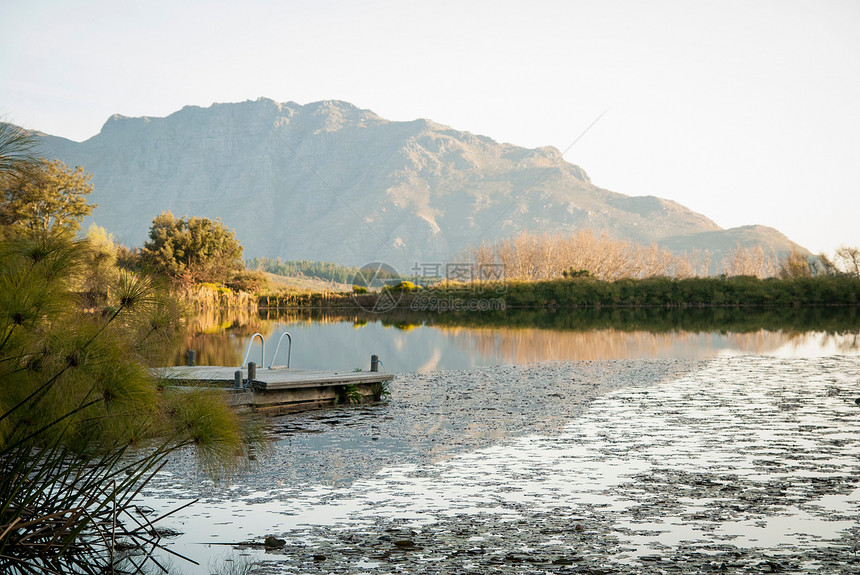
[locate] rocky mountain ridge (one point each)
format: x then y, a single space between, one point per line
329 181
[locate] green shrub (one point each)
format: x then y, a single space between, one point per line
405 286
250 281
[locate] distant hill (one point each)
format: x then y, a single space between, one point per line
329 181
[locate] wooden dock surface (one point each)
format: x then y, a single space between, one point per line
276 378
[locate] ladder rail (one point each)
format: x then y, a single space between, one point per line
289 349
262 350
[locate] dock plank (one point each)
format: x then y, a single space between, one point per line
271 379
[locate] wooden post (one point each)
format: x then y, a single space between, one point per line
189 357
374 363
252 371
237 379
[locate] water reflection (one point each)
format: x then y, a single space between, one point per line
746 461
410 342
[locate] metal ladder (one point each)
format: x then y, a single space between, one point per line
263 349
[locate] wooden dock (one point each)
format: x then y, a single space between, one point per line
280 390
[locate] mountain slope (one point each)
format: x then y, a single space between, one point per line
329 181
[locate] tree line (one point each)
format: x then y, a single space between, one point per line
325 271
841 289
536 257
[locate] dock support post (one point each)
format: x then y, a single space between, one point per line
237 380
374 363
189 357
252 370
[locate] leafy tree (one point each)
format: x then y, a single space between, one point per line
192 250
46 198
99 267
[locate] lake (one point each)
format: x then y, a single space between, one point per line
568 443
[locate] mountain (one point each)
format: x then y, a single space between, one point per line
329 181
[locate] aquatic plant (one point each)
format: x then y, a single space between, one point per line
380 389
348 393
83 426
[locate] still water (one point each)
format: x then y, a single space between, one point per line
618 444
424 344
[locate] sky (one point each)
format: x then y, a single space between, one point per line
745 111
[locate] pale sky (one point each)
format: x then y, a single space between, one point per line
746 111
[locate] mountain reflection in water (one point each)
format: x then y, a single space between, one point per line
411 342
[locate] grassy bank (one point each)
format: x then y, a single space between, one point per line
843 290
587 292
666 292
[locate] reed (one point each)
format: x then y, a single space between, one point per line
208 296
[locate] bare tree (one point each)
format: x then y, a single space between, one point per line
848 260
531 257
794 265
822 265
750 262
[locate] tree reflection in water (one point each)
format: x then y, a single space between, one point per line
425 342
